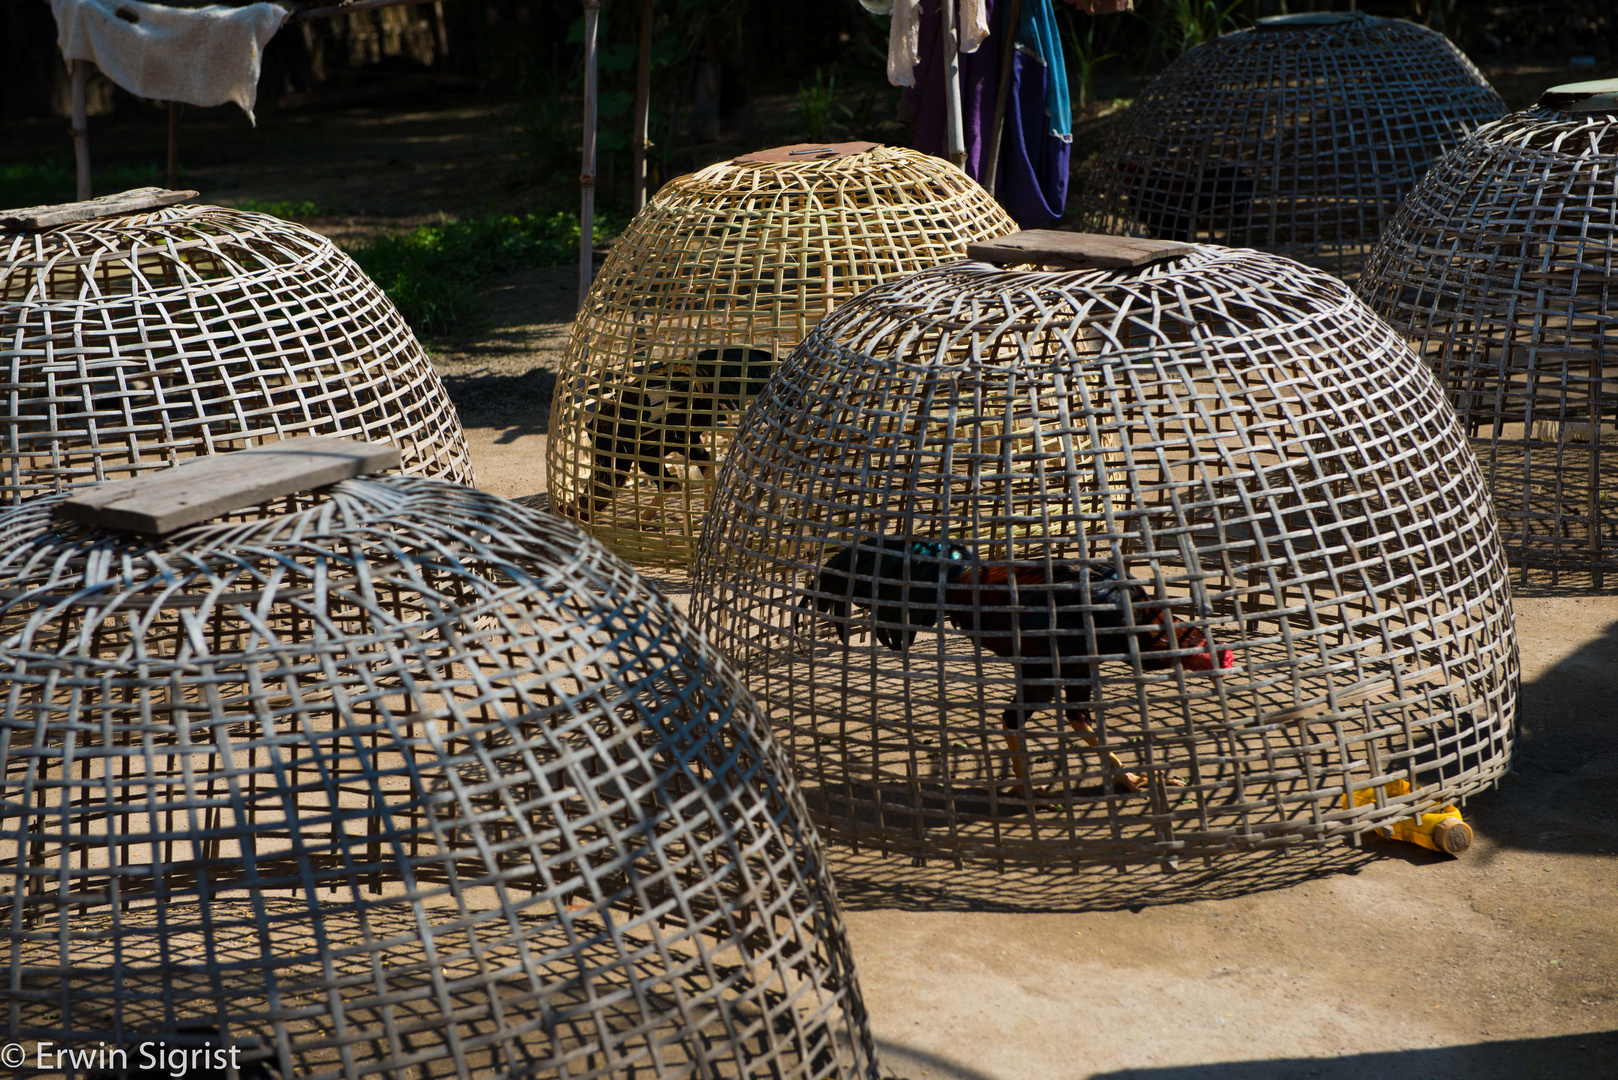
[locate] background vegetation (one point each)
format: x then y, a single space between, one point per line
727 76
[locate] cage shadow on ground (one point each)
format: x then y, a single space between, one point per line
1563 797
1582 1056
868 881
518 404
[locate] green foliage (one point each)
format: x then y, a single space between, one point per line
281 208
1197 22
431 275
1086 52
818 107
614 124
52 181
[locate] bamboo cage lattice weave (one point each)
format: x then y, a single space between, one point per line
1502 268
408 781
133 342
1298 136
1280 477
712 284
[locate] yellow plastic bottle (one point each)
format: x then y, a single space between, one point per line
1438 830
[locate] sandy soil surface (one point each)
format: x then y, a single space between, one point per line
1345 964
1363 963
501 375
1386 961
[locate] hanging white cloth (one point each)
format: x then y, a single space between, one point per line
974 24
201 56
904 42
904 34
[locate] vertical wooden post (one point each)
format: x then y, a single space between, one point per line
81 126
956 138
587 174
643 103
174 145
1008 53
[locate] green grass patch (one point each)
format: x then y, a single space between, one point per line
40 183
431 275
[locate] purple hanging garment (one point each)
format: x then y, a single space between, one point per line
1034 153
980 82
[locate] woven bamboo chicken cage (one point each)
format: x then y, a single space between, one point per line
408 781
1502 268
1180 556
712 284
1298 136
137 339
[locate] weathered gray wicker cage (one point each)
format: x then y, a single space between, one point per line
711 285
411 781
1281 478
133 341
1298 136
1502 267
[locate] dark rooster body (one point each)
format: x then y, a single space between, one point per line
1058 620
665 413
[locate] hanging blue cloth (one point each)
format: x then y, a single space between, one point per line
1038 137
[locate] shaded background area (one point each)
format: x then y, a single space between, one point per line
1377 961
727 75
439 142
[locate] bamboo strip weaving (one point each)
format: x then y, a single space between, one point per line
408 781
1502 270
712 284
1299 136
132 342
1038 568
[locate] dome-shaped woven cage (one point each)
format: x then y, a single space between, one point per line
131 342
409 782
918 548
1502 267
1298 136
712 284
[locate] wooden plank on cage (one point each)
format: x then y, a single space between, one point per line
805 152
1077 251
207 487
132 201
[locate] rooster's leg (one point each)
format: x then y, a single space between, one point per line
1013 717
1078 715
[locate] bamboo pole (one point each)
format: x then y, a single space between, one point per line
643 103
587 174
1008 53
956 143
80 70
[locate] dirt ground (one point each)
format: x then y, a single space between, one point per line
1344 964
1347 964
1382 961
